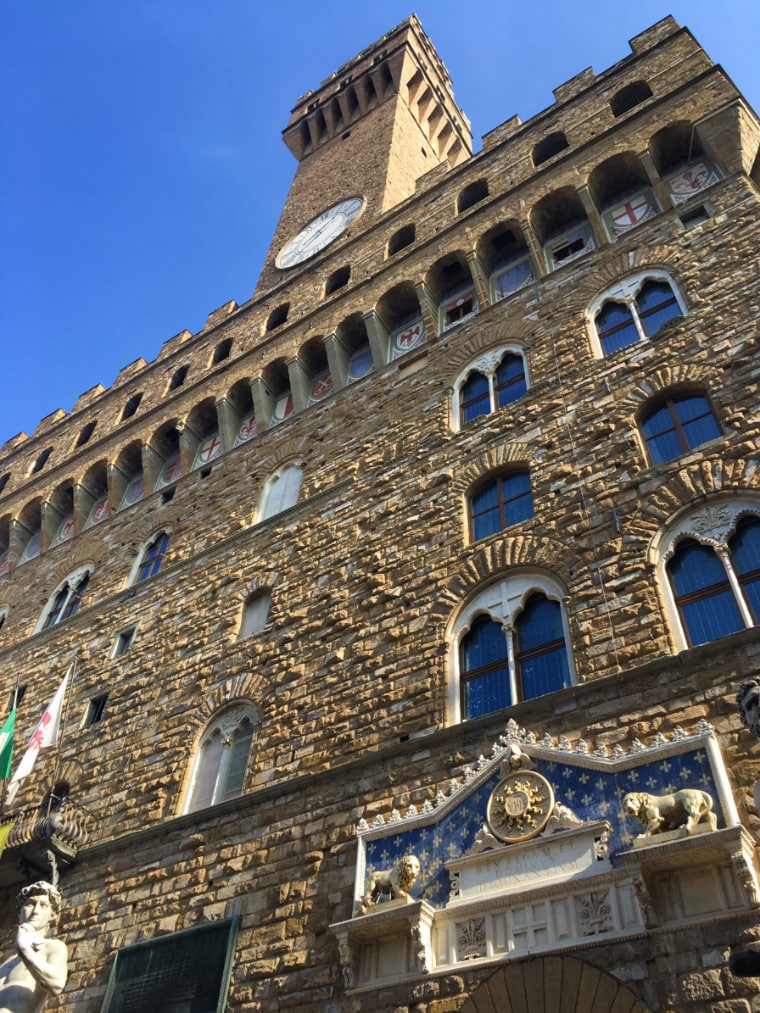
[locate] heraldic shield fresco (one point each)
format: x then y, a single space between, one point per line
545 846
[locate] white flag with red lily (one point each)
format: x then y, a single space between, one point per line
45 734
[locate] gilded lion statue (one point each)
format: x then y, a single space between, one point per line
392 884
658 813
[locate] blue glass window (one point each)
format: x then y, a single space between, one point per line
616 327
482 394
510 380
745 549
476 397
67 601
503 501
656 304
541 654
702 593
624 320
678 425
153 557
484 669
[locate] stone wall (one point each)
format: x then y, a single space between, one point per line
349 679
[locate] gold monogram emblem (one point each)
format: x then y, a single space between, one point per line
520 806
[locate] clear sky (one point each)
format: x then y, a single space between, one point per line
142 171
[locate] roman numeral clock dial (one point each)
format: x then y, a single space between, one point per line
319 233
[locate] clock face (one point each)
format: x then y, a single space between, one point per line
319 233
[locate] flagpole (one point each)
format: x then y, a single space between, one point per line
73 670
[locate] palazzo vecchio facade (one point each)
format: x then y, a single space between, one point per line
400 593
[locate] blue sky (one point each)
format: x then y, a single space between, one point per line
142 172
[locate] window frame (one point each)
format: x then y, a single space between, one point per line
487 365
114 995
267 509
498 479
141 559
65 600
251 620
669 400
713 525
123 641
503 600
226 724
625 292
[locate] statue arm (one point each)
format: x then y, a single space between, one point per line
47 963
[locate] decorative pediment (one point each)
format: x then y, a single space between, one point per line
546 845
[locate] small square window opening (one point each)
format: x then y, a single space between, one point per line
123 642
95 710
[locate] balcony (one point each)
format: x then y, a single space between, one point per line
46 839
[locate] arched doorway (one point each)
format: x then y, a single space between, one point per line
533 986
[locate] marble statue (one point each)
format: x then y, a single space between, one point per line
39 966
748 704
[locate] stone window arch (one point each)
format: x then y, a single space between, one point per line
131 406
708 567
402 237
220 765
550 146
222 351
630 96
178 377
472 194
495 379
634 310
64 602
40 461
278 316
510 642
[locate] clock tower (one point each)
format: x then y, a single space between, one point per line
362 140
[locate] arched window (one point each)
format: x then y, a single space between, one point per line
41 461
131 406
472 195
549 147
220 765
152 557
710 562
632 95
510 643
280 492
485 669
85 434
222 351
676 425
404 236
337 279
501 501
278 316
65 600
634 310
541 652
491 382
178 377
